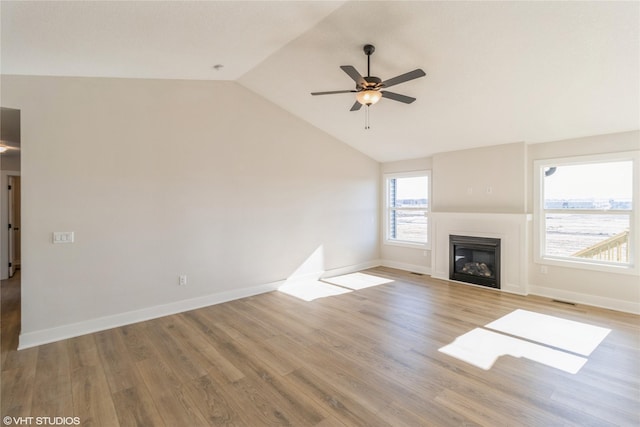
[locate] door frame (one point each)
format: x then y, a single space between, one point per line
4 221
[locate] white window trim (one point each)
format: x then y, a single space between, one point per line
386 208
539 215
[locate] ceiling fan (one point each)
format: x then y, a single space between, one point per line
369 89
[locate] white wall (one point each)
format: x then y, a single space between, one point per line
161 178
487 179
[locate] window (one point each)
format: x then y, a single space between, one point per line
586 211
407 209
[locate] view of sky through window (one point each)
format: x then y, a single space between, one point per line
414 188
604 181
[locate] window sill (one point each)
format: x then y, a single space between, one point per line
626 269
420 246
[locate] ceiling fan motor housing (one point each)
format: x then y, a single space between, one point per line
369 49
372 82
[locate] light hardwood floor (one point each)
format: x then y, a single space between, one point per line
369 357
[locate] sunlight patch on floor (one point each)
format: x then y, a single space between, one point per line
357 281
312 289
482 348
309 290
568 335
549 340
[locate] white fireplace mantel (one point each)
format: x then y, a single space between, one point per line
511 229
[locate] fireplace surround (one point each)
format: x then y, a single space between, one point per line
475 260
512 229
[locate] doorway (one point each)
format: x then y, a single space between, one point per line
10 230
10 192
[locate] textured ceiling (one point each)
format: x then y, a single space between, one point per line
497 72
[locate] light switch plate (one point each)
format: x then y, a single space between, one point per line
63 237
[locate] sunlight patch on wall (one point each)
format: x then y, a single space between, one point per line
357 281
545 339
312 267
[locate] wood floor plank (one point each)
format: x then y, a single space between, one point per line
61 406
480 414
260 378
17 391
369 357
9 319
83 352
120 371
330 397
20 359
620 410
260 409
260 348
214 402
401 414
136 339
168 345
199 344
135 408
166 390
92 401
53 374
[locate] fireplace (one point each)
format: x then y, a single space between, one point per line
475 260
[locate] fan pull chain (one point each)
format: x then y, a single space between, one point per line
367 123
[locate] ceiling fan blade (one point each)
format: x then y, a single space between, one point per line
354 74
333 91
404 78
397 97
356 106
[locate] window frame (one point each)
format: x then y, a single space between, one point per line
387 209
539 218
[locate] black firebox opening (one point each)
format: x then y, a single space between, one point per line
475 260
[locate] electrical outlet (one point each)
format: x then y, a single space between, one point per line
544 269
182 280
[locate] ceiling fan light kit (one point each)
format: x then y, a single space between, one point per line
368 97
369 89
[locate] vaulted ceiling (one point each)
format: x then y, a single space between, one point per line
497 72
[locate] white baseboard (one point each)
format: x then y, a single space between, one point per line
440 277
351 269
45 336
412 268
579 298
319 275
